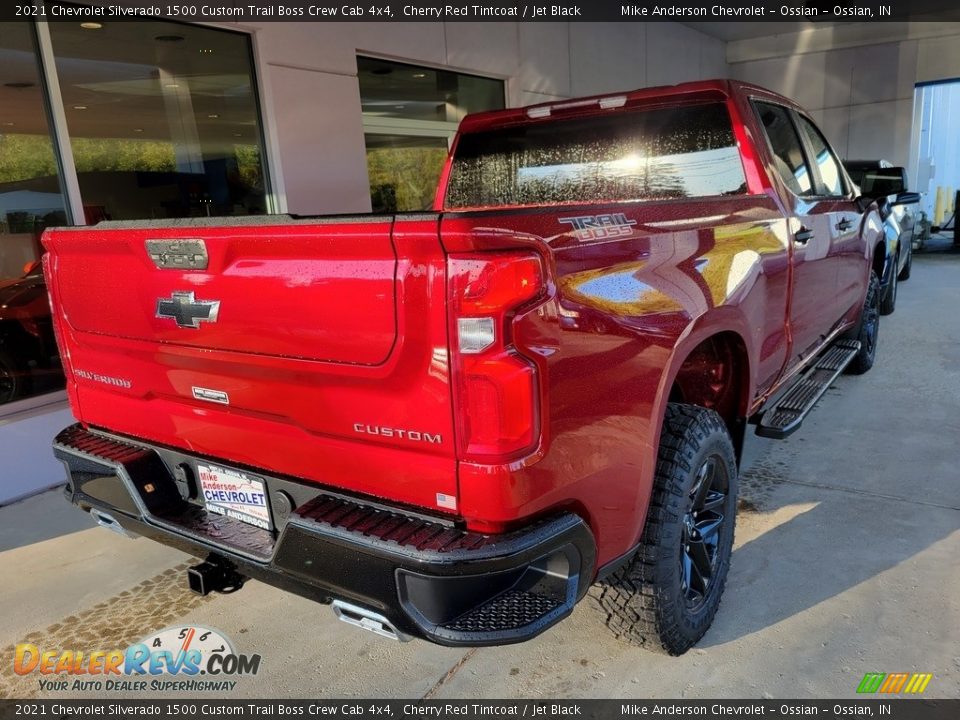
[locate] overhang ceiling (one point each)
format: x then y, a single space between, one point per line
730 31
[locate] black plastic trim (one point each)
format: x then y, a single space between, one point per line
785 416
431 579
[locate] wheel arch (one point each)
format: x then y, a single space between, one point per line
711 367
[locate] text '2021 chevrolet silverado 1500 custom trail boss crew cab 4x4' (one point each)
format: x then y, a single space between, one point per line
451 424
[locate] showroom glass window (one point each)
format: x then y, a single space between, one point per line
163 119
410 114
31 199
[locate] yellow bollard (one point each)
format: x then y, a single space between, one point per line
938 207
949 208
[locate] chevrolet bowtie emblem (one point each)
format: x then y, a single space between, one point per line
186 310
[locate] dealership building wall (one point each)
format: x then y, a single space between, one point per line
314 144
312 104
856 80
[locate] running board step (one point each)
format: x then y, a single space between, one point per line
788 413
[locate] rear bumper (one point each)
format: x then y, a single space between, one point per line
430 578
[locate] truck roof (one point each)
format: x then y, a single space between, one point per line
718 89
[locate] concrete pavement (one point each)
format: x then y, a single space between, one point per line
846 562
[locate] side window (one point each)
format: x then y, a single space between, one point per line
826 161
786 147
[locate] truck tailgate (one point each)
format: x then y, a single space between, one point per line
319 293
311 348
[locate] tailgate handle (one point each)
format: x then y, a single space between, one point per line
179 254
803 235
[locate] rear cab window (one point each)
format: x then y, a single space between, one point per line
801 154
633 155
786 148
828 167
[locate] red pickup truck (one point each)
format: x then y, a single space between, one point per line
451 424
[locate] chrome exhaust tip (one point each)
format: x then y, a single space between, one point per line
106 520
367 620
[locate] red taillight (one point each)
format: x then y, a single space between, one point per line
489 284
495 386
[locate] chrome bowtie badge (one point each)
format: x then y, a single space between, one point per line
187 311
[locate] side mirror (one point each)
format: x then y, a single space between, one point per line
907 198
881 182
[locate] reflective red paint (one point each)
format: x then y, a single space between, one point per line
299 382
334 324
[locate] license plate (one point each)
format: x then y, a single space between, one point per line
235 495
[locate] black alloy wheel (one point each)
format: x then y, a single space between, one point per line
702 525
871 327
867 331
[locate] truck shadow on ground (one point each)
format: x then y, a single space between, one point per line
38 518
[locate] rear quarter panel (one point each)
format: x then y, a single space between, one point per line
622 316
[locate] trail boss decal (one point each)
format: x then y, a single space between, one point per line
599 227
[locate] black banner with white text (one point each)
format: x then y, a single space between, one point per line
353 709
801 11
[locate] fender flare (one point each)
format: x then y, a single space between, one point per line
725 319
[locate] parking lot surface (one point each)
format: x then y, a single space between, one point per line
846 562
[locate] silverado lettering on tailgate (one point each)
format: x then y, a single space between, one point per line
105 379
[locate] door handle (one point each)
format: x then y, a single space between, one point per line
803 235
844 224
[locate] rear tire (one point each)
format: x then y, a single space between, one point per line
868 330
666 597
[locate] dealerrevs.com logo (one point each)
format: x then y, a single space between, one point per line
192 658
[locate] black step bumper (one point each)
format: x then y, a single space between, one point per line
429 577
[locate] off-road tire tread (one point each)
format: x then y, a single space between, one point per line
635 607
